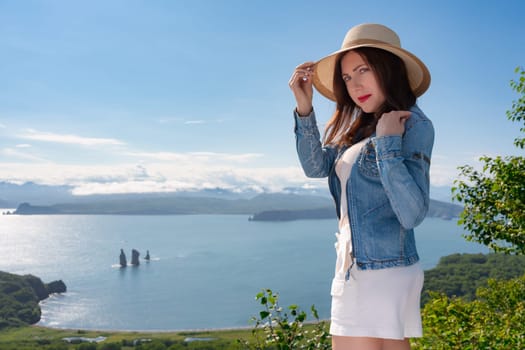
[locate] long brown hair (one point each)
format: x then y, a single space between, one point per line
391 73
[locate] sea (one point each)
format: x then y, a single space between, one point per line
204 270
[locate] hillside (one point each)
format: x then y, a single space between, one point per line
176 204
437 209
461 274
19 298
263 207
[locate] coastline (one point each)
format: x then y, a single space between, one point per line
146 331
35 335
90 285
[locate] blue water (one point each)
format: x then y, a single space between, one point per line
204 273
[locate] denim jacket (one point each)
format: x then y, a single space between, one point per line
387 191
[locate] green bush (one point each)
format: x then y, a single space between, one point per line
276 329
494 320
29 315
494 197
109 346
57 347
154 345
8 287
461 275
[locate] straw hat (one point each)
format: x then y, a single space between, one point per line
371 35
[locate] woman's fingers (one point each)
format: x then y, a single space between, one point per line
301 85
392 123
306 65
302 72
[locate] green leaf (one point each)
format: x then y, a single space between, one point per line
264 314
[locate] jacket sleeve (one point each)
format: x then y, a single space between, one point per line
315 159
404 165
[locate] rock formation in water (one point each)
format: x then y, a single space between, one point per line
135 257
147 257
56 287
123 260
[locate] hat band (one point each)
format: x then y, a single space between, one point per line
360 42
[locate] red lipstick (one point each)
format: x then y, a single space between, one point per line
364 98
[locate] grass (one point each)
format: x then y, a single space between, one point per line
33 337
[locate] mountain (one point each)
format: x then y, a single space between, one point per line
14 194
437 209
179 204
263 207
4 204
33 198
444 210
441 193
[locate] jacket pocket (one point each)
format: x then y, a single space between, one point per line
367 162
385 236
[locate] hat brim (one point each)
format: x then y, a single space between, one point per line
418 74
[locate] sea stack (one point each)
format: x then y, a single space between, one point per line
56 287
147 257
135 257
123 260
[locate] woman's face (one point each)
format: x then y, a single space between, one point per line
361 83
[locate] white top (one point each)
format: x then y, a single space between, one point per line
343 246
343 168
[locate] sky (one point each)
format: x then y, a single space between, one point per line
119 96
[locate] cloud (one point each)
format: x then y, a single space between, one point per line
130 187
188 121
235 180
172 172
23 145
69 139
168 120
141 172
17 154
2 126
193 157
444 169
157 177
211 156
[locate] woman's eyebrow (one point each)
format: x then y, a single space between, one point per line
356 68
353 70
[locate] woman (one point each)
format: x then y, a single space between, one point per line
376 154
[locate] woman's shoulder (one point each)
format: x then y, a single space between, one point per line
419 121
417 113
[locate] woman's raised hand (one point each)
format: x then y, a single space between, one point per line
301 85
392 123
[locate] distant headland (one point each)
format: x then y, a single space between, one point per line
263 207
437 209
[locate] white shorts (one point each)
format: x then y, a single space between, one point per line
378 303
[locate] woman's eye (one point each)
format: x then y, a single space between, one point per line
346 78
363 70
